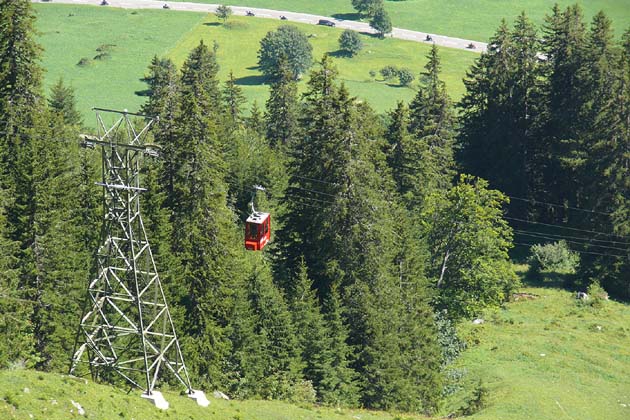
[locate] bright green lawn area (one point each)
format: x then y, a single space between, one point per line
239 42
468 19
552 358
70 33
47 396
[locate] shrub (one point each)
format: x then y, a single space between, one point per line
554 257
350 42
405 76
597 296
389 72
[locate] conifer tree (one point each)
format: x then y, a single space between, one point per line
63 102
566 94
164 102
266 348
282 108
432 129
342 213
204 240
233 100
311 331
500 112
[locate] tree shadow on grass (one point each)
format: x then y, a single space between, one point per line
340 54
145 92
347 16
212 24
253 68
371 35
251 80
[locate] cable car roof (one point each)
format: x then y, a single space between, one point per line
257 217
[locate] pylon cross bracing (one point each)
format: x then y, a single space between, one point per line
126 327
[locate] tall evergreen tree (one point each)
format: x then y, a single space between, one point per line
282 112
233 100
432 129
500 112
63 102
204 240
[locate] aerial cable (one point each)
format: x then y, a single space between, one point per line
572 242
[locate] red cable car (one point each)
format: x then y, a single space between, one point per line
257 231
257 226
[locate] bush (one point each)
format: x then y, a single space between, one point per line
553 257
405 76
597 296
389 72
350 42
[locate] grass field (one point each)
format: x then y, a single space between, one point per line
475 20
240 39
545 358
70 33
552 358
131 38
46 396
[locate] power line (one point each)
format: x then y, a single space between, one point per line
542 236
533 201
564 227
575 237
579 252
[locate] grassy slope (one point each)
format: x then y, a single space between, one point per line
48 396
546 359
240 39
69 33
460 18
140 35
583 374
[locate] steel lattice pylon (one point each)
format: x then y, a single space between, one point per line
126 327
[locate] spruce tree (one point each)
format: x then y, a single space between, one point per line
233 100
282 108
63 102
432 129
501 110
204 240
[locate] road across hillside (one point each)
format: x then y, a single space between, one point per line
440 40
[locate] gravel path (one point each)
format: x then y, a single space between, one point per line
440 40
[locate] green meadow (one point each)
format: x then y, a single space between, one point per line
467 19
117 45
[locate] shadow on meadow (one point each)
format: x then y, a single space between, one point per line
346 16
251 80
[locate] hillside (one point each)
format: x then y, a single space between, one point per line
133 37
544 358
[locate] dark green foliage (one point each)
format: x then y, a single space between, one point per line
62 101
233 99
405 77
286 42
281 117
421 139
381 22
266 350
500 112
206 247
367 7
388 72
350 42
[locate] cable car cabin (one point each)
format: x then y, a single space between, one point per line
257 231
